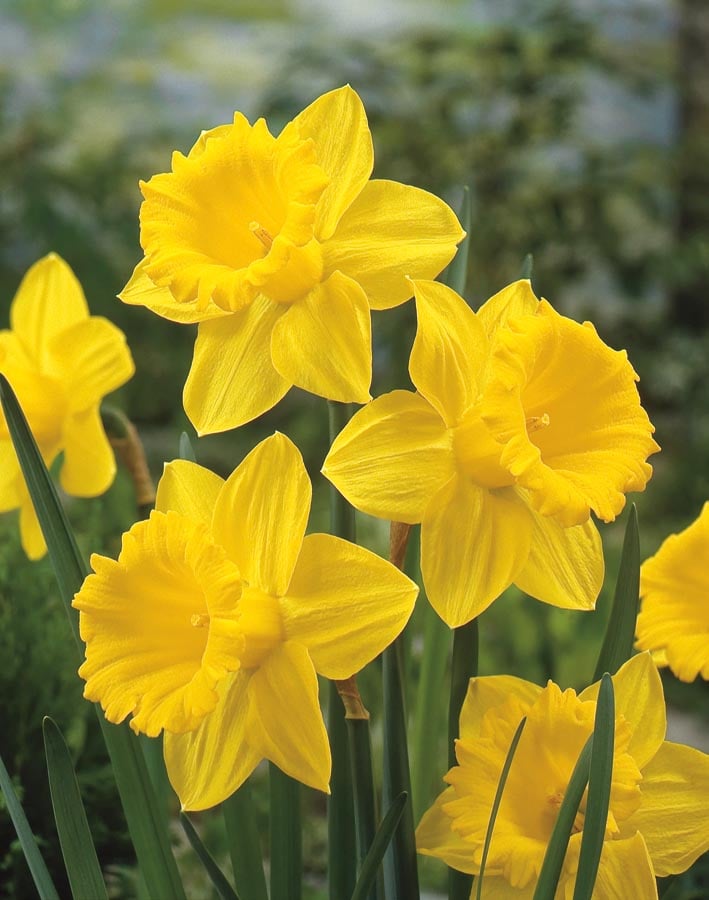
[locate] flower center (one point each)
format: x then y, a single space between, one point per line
478 453
261 624
260 232
536 423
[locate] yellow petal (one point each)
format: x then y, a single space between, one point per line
565 565
11 480
450 351
390 233
141 291
160 625
674 587
625 871
392 457
232 379
674 816
474 542
89 466
337 123
435 837
188 489
323 343
517 299
261 514
640 698
206 766
495 887
30 532
288 727
344 604
487 692
48 301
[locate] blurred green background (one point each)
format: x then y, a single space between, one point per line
582 131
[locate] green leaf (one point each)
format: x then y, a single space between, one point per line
365 811
186 450
599 791
244 844
373 859
496 802
216 876
527 267
620 633
286 836
145 821
78 849
559 840
38 869
456 275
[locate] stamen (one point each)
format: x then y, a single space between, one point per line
260 232
535 423
199 620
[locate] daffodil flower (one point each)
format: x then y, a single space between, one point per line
658 821
219 613
278 247
524 422
674 590
60 362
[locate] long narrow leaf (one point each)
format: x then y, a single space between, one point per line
559 840
373 859
244 844
496 802
456 275
216 876
620 633
286 836
599 791
82 865
145 822
40 875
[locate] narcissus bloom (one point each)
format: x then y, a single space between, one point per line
219 613
674 589
658 821
61 362
524 422
278 247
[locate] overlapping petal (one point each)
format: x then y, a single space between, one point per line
142 291
261 514
232 379
625 871
487 692
390 233
344 604
89 465
188 489
284 712
11 482
392 457
517 299
323 342
435 837
474 542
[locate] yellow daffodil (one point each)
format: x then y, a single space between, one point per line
524 422
278 247
658 820
674 589
219 613
61 362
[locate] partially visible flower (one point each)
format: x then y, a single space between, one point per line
524 422
61 362
219 613
278 247
658 821
674 589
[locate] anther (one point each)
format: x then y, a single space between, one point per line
199 620
260 232
535 423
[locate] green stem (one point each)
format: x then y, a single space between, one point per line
464 666
286 836
363 788
244 844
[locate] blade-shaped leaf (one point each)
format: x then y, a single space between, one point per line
496 802
216 876
145 822
599 791
456 275
244 844
40 875
620 633
286 836
373 859
77 845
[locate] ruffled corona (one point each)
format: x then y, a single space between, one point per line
523 423
674 832
61 362
674 590
218 615
278 247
